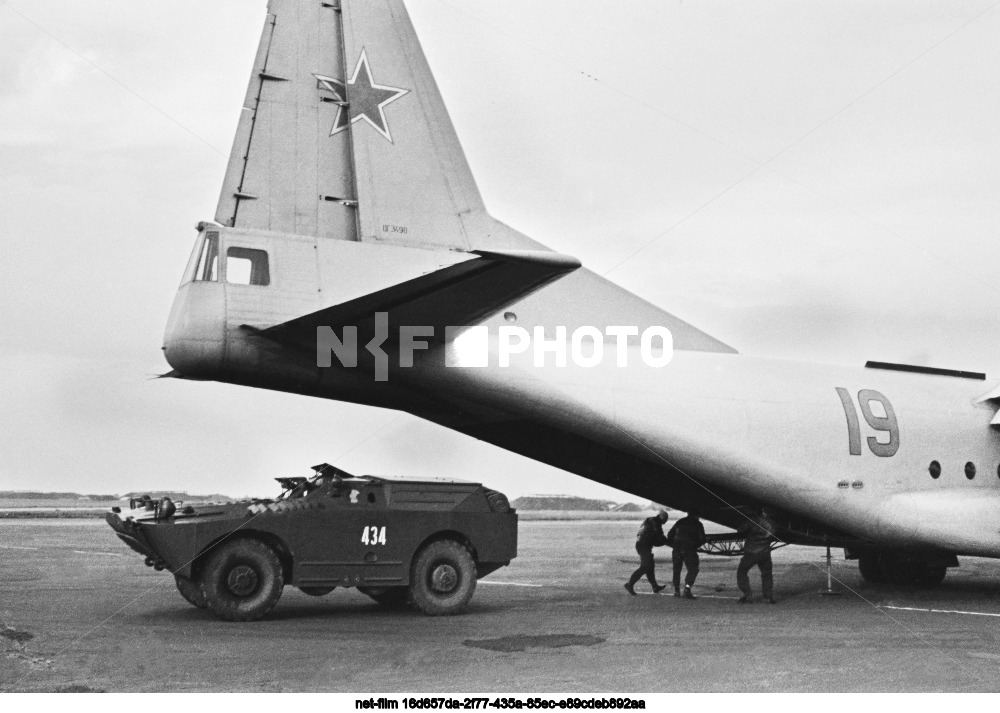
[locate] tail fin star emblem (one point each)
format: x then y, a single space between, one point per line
361 99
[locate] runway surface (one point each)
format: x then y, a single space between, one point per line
79 611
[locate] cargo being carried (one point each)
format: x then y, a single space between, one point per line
399 541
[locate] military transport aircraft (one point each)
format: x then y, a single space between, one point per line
351 257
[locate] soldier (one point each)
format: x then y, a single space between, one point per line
686 536
650 535
759 533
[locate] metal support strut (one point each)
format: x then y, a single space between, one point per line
829 591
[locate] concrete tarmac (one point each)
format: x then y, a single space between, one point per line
79 612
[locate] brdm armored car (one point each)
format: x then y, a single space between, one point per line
399 541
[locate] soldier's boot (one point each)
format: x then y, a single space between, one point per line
745 599
657 588
687 592
629 589
677 591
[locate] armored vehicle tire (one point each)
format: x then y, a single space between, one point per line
388 596
191 591
443 578
871 568
316 591
242 580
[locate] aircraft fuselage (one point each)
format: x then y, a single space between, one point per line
846 448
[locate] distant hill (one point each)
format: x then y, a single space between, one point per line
34 495
179 496
628 507
172 494
526 502
571 502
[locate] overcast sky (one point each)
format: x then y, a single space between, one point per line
812 181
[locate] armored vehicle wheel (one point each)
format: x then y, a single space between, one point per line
443 578
387 596
871 568
316 591
191 591
242 580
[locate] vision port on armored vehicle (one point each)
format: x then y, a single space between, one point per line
416 542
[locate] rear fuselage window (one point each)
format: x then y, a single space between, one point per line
208 261
247 266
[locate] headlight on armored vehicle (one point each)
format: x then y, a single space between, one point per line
166 509
497 501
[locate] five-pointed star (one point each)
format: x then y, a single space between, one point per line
365 100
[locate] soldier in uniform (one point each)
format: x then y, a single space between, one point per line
650 535
685 537
759 533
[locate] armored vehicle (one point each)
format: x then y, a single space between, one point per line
398 541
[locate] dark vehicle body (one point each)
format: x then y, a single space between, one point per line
332 530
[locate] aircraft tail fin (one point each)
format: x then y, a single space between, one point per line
414 183
286 173
344 135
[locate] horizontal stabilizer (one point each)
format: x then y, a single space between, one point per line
173 374
992 397
456 296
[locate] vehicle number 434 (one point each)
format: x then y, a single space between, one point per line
372 535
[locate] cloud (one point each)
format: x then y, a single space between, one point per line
38 78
